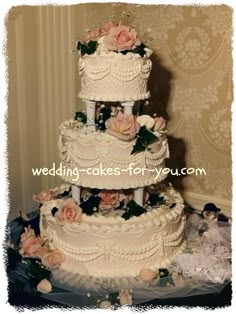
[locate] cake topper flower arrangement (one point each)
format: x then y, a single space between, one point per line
112 37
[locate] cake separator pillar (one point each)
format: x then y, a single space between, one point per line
76 193
128 107
138 196
90 111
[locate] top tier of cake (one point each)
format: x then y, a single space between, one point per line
114 77
114 65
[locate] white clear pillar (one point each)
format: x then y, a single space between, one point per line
76 193
128 107
90 112
138 108
138 196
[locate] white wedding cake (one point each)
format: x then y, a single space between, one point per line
119 220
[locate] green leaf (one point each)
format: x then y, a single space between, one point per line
155 199
88 48
163 272
78 46
36 271
113 297
92 45
138 147
133 209
140 50
144 139
80 116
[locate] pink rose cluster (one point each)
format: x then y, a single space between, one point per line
32 246
125 127
116 37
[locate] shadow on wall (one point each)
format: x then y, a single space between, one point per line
160 82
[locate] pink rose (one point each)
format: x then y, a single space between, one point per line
95 34
125 297
53 259
108 27
69 211
123 126
109 199
121 38
160 124
29 233
44 196
44 286
31 247
147 274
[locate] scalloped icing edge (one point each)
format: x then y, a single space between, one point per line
115 98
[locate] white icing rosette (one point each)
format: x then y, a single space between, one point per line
146 120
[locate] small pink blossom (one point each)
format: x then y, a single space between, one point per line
160 124
53 259
44 196
44 286
69 211
123 126
29 233
125 297
109 199
94 34
31 247
108 27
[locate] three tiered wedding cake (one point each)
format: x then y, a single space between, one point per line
119 220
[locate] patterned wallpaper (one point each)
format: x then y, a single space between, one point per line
191 84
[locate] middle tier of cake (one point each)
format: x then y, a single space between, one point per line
96 159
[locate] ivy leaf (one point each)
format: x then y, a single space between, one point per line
133 209
78 45
54 210
140 50
13 257
138 147
113 297
163 272
92 46
144 139
36 272
155 199
88 48
147 137
126 215
81 117
89 205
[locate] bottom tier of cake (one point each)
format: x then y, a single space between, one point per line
110 246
